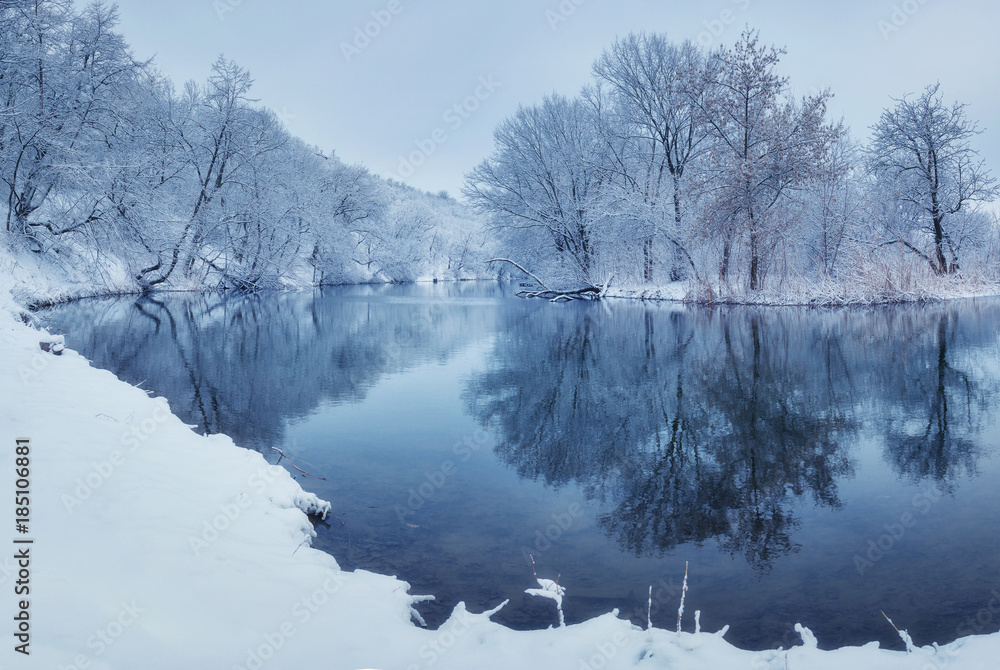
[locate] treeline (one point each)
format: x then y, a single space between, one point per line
681 163
103 162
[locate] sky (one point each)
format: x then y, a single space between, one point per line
413 89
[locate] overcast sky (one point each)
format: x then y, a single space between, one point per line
377 100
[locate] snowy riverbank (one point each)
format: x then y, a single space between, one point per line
863 291
37 282
159 548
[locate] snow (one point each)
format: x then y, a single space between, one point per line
551 590
860 290
155 547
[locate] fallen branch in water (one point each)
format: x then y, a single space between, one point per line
293 464
554 295
588 292
530 274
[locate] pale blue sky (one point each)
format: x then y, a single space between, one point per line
374 105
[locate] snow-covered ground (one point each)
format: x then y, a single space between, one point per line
155 547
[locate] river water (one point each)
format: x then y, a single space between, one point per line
808 465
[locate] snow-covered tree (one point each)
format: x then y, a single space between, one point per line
652 133
101 160
542 179
224 140
765 146
833 209
921 151
37 122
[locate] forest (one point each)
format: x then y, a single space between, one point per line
676 164
107 166
683 163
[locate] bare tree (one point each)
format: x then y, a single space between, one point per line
34 111
542 177
765 146
659 133
222 138
921 150
833 208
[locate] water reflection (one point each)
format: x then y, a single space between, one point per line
245 365
941 404
695 425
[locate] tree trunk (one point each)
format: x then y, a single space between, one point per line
676 271
940 265
754 263
755 279
647 260
724 266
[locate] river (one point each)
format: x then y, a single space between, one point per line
809 465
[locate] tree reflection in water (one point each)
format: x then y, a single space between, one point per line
699 424
245 365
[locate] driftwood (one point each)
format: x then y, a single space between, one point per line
589 292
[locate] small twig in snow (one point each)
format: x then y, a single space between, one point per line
550 590
684 590
649 609
301 543
907 640
413 610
